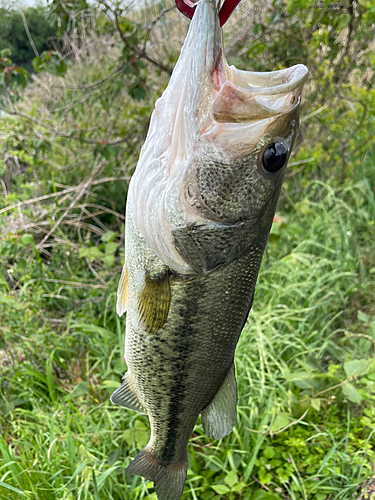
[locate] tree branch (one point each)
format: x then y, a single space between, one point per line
141 53
29 34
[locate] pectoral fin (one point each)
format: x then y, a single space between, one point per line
154 300
219 417
122 292
126 396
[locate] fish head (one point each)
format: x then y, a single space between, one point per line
240 160
217 147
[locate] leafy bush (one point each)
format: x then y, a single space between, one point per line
305 362
15 37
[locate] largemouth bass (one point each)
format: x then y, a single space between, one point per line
199 210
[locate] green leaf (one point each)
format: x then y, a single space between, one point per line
61 67
358 366
138 93
22 263
221 489
365 318
303 384
352 393
343 22
207 495
109 260
108 236
111 248
264 495
280 421
269 452
129 437
84 252
320 496
265 477
141 434
38 64
94 253
301 379
27 239
238 487
257 28
231 479
298 375
315 403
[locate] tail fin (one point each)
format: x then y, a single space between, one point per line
169 480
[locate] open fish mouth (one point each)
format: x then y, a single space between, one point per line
209 113
237 96
247 96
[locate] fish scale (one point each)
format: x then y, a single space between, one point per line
199 211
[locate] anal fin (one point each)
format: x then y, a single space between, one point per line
219 417
127 397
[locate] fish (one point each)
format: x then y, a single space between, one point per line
200 206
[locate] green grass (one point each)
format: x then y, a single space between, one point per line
313 316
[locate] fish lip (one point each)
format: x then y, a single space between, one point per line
276 82
251 96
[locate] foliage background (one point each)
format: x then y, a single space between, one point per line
13 34
70 135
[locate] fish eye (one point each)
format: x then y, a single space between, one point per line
274 157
